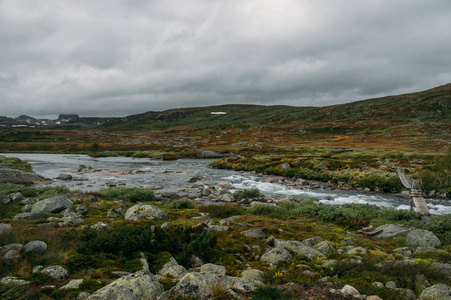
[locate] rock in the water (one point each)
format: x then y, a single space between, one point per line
256 233
145 212
276 255
299 248
439 291
52 205
422 238
11 280
391 231
140 285
35 247
56 272
64 176
350 290
73 284
11 257
212 268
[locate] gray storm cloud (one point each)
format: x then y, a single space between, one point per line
114 58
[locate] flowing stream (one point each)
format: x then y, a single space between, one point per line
173 176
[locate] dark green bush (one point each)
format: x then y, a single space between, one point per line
222 211
253 194
128 194
267 210
269 293
183 203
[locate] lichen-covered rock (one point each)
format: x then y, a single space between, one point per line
35 247
255 233
5 228
403 251
52 205
276 255
11 280
350 290
422 238
229 221
324 247
140 285
390 231
357 251
444 269
173 269
312 241
16 176
56 272
252 274
11 257
437 292
298 247
73 284
212 268
145 212
6 248
217 228
407 294
188 290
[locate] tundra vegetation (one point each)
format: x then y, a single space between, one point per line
358 145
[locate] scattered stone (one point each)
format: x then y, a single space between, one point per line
73 284
52 205
378 284
83 295
347 241
217 228
357 251
11 257
312 241
17 176
324 247
276 255
407 294
15 246
56 272
100 226
229 221
350 290
427 249
188 290
403 251
27 208
64 176
165 225
438 291
16 197
81 210
140 285
5 228
444 269
196 261
374 297
310 273
252 274
270 241
35 247
11 280
37 269
329 263
390 285
212 268
255 233
299 248
145 212
390 231
422 238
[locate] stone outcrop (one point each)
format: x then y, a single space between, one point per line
276 255
52 205
438 291
56 272
140 285
298 247
422 238
145 212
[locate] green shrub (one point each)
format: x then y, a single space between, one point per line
183 203
250 194
269 293
128 194
267 210
222 211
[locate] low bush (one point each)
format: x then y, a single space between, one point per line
127 194
250 194
267 210
183 203
222 211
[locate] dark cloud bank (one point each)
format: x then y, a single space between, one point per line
114 58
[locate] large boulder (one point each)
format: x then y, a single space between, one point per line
173 269
422 238
255 233
298 247
35 247
212 268
6 248
438 291
5 228
188 290
11 257
17 176
276 255
52 205
390 231
141 285
145 212
56 272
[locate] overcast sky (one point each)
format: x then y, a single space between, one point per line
115 58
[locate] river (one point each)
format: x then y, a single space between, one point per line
173 175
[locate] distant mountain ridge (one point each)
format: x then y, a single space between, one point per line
27 121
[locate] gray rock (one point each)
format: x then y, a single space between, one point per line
407 294
276 255
35 247
347 241
324 247
11 257
172 269
16 197
298 247
329 263
73 284
378 285
56 272
350 290
229 221
11 280
52 205
270 241
17 176
81 210
391 230
64 176
444 269
171 263
427 249
141 285
357 251
70 219
100 226
17 247
217 228
422 238
5 228
212 268
438 292
252 274
310 273
255 233
83 295
120 273
165 225
37 269
145 212
197 262
403 251
312 241
188 290
27 208
390 285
